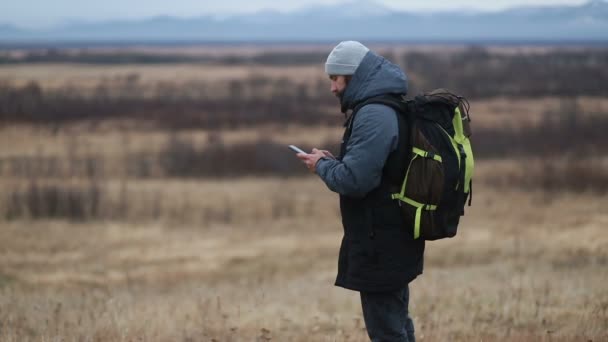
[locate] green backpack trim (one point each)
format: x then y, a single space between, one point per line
461 139
418 153
463 150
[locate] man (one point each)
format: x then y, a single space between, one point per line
379 256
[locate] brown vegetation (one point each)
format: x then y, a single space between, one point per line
476 73
167 207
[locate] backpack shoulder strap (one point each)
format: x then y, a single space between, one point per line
395 101
397 159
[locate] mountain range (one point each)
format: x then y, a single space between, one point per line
359 19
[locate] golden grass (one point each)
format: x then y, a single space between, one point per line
524 267
85 75
107 141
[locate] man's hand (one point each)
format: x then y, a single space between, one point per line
312 158
328 154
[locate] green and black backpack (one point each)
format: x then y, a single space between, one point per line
438 179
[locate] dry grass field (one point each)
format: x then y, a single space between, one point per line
77 75
92 251
524 267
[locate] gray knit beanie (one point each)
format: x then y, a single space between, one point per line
345 58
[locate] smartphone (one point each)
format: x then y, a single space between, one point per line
296 149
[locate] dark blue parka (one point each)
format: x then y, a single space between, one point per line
378 252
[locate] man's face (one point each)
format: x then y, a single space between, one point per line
338 85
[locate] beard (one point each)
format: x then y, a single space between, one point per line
339 94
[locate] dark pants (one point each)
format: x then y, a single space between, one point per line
386 316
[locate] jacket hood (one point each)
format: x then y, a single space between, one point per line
375 76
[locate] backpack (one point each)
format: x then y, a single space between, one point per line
438 178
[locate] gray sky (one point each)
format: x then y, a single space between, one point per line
44 13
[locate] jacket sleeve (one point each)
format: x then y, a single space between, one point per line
374 136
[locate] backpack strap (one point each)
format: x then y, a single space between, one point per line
397 162
401 197
395 101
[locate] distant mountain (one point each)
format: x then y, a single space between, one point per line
360 19
8 30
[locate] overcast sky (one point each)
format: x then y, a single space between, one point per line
44 13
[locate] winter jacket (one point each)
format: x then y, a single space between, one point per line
378 251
